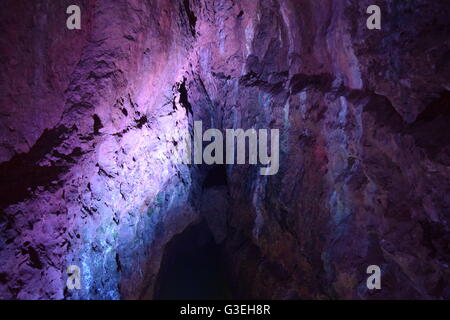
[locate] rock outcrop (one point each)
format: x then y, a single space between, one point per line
91 124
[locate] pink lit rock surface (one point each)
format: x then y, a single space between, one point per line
90 124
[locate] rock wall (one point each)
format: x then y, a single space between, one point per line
99 186
91 124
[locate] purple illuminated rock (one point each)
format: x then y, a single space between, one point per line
91 123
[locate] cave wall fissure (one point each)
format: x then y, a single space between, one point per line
90 135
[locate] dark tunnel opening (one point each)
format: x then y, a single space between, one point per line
192 268
217 176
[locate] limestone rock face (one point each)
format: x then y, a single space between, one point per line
92 123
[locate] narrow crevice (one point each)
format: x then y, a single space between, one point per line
184 98
191 16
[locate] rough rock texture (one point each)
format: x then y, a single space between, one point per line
90 126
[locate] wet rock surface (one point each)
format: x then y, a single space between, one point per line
91 123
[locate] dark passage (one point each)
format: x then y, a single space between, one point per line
192 268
